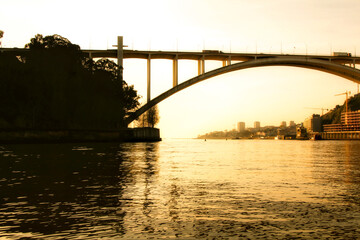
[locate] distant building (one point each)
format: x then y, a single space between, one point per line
257 125
284 133
350 121
283 124
301 132
348 129
241 127
292 124
351 118
313 123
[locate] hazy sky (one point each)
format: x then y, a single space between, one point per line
269 94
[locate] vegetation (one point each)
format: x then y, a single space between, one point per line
225 134
334 115
55 86
267 132
1 36
149 119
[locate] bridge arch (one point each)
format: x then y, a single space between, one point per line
349 73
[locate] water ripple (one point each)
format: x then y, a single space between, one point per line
181 189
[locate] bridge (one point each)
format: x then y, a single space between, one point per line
343 66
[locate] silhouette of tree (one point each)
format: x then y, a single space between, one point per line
1 35
51 42
55 86
141 121
153 116
149 119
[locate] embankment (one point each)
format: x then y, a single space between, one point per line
55 136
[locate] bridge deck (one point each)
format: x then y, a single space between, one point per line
207 55
217 56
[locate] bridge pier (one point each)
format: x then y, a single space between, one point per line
201 66
227 62
175 71
148 78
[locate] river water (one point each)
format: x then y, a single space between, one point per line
182 189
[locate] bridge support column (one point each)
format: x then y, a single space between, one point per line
175 71
201 66
148 78
227 62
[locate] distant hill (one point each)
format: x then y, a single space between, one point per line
334 115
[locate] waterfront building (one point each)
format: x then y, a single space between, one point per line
292 124
283 124
301 132
285 133
350 121
257 125
348 129
313 123
241 127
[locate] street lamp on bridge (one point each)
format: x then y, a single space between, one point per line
120 55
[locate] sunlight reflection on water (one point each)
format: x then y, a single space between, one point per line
181 189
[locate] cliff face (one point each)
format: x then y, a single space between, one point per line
334 115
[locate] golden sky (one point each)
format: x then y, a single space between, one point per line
269 94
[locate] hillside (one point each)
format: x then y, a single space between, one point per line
334 115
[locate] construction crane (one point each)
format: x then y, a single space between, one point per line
322 109
347 93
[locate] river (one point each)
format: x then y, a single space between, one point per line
183 188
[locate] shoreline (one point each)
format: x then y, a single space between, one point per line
67 136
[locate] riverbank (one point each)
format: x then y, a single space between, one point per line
50 136
238 138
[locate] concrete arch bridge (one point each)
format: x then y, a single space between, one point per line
343 65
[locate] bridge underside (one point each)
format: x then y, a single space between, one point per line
349 73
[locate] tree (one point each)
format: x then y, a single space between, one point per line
56 86
149 118
51 42
1 35
153 116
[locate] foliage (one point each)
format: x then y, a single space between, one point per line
55 86
149 119
153 116
225 134
334 116
51 42
267 131
1 35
